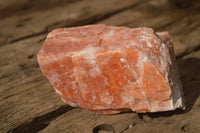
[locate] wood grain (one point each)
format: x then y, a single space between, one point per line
34 23
24 93
27 100
10 7
79 120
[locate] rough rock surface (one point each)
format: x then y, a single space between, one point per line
107 69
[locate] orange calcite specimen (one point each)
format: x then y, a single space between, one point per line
107 69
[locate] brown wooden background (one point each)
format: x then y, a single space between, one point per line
28 103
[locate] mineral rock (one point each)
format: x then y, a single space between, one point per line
107 69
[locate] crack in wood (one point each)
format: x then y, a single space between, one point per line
185 53
192 28
168 24
118 11
40 122
27 37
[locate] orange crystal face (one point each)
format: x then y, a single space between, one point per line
107 69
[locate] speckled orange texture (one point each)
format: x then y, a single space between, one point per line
107 69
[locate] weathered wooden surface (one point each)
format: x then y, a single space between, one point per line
28 102
36 22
